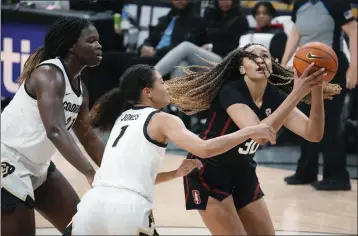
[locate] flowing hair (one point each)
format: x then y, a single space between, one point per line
195 91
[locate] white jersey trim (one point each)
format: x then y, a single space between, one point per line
63 71
44 64
145 131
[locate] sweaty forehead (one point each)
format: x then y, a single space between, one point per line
257 49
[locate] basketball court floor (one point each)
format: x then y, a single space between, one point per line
295 210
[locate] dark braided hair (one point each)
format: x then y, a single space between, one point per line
195 91
112 104
58 40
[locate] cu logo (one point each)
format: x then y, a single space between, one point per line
6 169
196 196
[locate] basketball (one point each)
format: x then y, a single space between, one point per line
321 54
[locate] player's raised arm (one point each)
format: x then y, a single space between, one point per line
174 129
49 86
287 114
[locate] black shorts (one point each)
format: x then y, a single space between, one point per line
219 182
9 202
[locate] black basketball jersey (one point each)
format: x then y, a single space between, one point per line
219 123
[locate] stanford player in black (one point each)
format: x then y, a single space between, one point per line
221 174
247 88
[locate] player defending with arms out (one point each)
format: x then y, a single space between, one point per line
120 201
50 101
240 92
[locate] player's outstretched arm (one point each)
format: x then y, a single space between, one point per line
85 133
184 169
174 129
243 116
49 87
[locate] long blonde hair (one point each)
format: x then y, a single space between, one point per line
195 91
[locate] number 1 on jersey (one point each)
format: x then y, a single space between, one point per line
123 129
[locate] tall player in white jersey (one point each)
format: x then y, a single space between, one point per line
50 101
120 202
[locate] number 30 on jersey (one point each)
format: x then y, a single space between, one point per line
250 148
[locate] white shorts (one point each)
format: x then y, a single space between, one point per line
20 176
113 211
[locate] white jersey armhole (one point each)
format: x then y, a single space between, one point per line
44 64
145 131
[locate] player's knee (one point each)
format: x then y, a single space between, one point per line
186 45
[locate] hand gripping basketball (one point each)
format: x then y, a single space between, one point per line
319 53
303 84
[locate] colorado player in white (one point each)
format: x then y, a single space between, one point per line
50 101
120 202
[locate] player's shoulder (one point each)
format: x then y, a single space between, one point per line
163 117
165 120
52 65
48 69
48 74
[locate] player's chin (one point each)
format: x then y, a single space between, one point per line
258 77
166 102
95 61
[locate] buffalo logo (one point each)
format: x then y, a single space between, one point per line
150 230
151 220
313 56
196 196
6 169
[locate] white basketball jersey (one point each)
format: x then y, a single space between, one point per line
21 125
131 158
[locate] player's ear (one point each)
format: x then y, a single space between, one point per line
71 49
147 93
242 70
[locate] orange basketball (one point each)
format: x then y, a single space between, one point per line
321 54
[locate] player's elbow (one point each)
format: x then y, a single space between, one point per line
53 132
204 151
314 137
